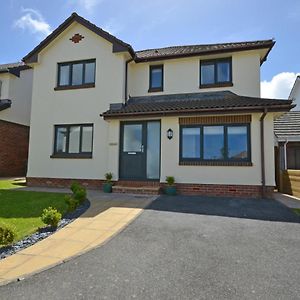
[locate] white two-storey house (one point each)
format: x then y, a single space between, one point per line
192 112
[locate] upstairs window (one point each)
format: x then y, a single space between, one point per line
73 141
156 78
214 73
77 74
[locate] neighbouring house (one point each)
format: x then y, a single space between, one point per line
287 146
295 94
15 107
192 112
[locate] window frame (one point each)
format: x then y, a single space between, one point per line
226 160
156 89
70 64
215 62
81 154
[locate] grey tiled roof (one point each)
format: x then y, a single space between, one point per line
195 103
151 54
288 125
5 103
6 67
178 51
13 68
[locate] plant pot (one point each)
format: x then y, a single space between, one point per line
107 187
170 190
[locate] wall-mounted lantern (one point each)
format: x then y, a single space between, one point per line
170 133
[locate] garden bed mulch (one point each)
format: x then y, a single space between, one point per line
44 232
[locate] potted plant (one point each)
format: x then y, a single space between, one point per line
107 186
170 189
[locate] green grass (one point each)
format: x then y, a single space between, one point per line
297 211
12 184
23 209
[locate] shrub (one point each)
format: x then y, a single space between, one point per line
51 216
71 202
108 177
79 192
80 195
75 186
7 234
170 180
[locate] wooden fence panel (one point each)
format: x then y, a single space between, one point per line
291 182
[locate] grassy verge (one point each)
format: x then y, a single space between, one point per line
297 211
12 184
23 209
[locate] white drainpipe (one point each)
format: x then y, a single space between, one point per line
285 156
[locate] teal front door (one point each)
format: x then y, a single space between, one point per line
140 150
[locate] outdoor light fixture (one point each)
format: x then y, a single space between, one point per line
170 133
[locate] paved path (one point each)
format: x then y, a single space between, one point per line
184 248
287 200
107 215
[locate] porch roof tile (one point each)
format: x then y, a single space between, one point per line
208 102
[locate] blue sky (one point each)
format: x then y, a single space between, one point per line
158 23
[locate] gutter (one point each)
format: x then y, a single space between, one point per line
126 78
262 151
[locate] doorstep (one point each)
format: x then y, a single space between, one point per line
144 190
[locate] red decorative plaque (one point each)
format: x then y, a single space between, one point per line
76 38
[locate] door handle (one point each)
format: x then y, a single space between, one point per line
142 148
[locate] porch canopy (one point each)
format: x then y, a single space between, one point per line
194 103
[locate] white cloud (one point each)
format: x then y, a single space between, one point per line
33 21
279 87
89 4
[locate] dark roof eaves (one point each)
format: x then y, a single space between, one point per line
15 70
32 56
120 46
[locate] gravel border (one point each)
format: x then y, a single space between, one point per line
44 232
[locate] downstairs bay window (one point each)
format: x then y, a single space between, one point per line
73 141
215 144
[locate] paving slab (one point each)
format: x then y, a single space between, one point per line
106 216
287 200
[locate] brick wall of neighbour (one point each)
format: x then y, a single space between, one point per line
14 141
243 191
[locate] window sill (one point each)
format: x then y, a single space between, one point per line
72 156
74 87
153 90
217 163
215 85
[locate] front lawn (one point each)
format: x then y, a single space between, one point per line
12 184
23 209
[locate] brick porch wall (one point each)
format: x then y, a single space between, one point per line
14 141
63 182
243 191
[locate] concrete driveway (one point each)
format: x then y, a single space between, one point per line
184 248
